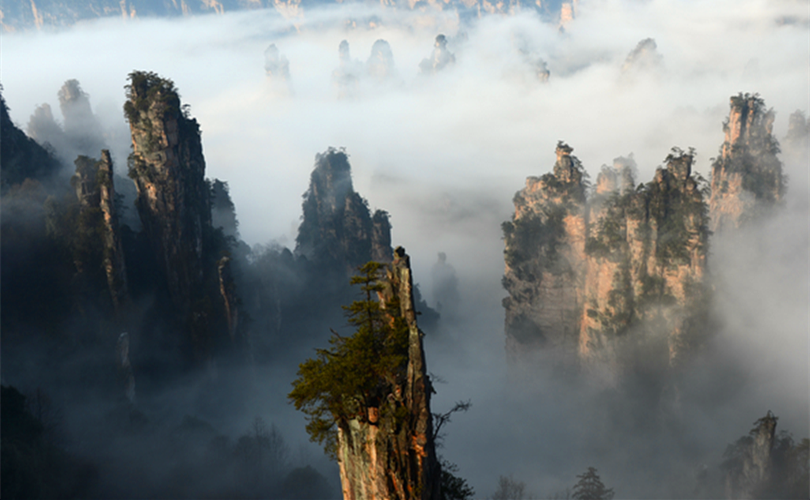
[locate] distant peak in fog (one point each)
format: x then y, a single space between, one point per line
40 14
380 64
643 57
80 132
276 66
441 57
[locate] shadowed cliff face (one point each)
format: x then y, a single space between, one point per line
173 201
749 462
391 452
595 279
338 231
747 176
22 157
95 191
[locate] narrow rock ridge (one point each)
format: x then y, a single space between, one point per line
586 276
114 265
95 191
747 178
391 453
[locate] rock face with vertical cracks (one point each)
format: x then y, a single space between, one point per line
391 454
545 252
95 191
173 200
627 265
645 264
338 231
747 177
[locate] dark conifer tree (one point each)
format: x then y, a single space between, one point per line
590 487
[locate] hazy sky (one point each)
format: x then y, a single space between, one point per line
444 154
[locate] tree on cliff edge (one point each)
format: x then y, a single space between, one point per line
367 397
355 373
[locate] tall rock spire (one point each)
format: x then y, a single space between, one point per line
173 200
93 182
338 231
545 244
747 177
391 453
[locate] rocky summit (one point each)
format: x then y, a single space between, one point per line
587 275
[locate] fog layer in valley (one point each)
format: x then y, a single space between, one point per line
443 151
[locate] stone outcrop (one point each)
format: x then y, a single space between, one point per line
440 59
276 66
338 231
796 143
643 57
750 461
646 262
391 453
173 201
223 211
545 252
43 128
747 178
568 11
168 168
81 126
445 287
381 250
583 275
80 134
380 64
95 191
346 76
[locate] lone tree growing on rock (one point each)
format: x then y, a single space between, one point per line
351 376
590 487
367 398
